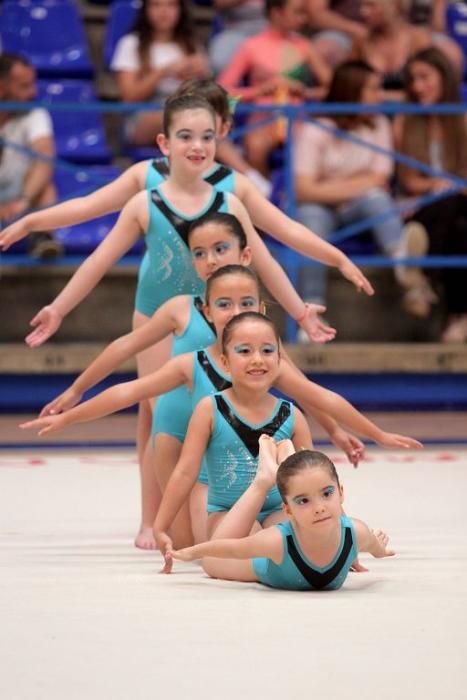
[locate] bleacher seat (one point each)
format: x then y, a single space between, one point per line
50 34
456 21
83 238
79 136
122 15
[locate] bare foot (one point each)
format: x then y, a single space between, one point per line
285 448
145 538
267 461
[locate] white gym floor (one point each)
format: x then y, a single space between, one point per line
85 615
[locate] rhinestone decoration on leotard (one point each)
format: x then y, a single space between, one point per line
248 435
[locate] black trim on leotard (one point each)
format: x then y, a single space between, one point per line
219 382
320 579
248 435
218 175
181 225
162 167
199 306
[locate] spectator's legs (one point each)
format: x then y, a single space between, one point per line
387 232
322 221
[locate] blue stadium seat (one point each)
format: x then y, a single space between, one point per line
122 16
456 20
50 34
83 238
79 136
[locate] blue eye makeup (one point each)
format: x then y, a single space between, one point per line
241 349
249 301
300 500
222 303
198 254
221 248
269 348
327 492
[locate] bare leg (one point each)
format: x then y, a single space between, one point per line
166 452
148 361
241 521
198 512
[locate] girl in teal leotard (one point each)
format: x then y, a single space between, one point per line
312 549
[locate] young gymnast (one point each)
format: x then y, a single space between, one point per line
163 216
312 549
227 294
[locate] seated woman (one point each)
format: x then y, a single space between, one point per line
441 227
389 42
339 182
154 59
280 66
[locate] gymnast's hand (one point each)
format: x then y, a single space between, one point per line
353 448
395 440
46 322
62 403
13 233
352 273
165 546
314 326
49 424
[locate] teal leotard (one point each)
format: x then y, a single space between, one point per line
232 453
173 410
166 269
297 573
208 379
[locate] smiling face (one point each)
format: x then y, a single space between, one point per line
314 499
251 355
425 83
213 246
229 296
190 144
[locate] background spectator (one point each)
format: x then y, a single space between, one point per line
338 23
25 182
154 59
280 66
432 14
390 41
240 19
440 141
338 182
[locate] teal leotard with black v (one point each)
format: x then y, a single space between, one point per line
232 453
173 409
166 269
297 573
208 379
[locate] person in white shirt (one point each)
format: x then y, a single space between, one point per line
25 181
153 60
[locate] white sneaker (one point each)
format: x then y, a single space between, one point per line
414 244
